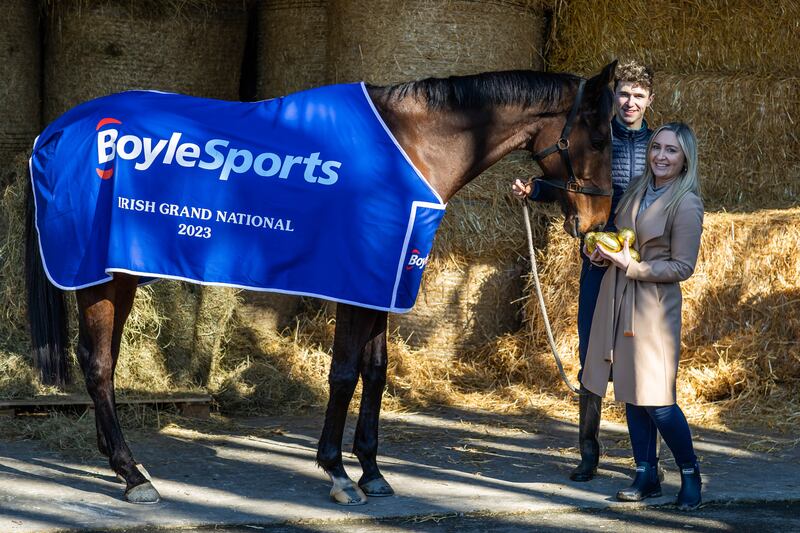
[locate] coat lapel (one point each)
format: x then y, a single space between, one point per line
626 219
654 219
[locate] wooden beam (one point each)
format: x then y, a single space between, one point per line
190 405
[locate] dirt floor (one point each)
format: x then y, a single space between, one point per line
450 468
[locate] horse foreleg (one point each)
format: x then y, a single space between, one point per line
353 327
373 381
102 313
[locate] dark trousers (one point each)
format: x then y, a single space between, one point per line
644 424
591 276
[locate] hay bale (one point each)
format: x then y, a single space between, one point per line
214 311
292 46
268 312
471 287
13 327
173 339
143 365
484 220
743 307
20 72
291 56
386 41
98 47
747 134
266 372
461 308
731 36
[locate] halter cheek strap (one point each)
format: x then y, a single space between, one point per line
562 146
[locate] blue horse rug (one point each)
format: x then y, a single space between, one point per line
307 194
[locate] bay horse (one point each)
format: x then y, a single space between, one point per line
452 129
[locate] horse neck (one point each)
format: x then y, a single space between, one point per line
450 148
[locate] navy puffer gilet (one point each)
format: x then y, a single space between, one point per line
628 160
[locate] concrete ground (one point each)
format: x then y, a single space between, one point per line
444 465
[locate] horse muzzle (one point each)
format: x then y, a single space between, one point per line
571 225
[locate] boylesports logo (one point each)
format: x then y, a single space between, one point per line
216 154
416 261
105 173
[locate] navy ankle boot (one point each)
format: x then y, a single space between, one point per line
689 495
645 484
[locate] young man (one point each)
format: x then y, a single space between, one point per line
633 93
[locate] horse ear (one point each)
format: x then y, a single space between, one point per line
596 84
599 100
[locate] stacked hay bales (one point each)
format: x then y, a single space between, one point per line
98 47
292 46
725 36
20 72
741 307
386 41
175 334
746 131
473 276
723 67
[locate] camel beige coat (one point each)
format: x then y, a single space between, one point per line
637 321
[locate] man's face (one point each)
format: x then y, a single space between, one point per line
631 102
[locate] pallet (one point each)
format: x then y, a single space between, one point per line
189 405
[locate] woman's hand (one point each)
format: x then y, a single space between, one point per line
595 258
522 189
619 259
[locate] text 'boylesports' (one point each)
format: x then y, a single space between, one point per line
228 160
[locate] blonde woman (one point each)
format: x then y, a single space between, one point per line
636 328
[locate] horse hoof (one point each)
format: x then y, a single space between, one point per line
347 493
141 468
145 494
377 487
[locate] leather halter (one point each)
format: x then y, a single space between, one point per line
562 146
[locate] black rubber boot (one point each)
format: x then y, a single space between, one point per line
689 495
645 484
588 431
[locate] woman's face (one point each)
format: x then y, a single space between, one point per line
666 156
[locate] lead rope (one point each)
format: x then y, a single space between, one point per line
534 269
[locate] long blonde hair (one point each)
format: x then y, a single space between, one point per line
688 179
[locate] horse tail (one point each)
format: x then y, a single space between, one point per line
47 314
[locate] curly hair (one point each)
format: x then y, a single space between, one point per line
636 73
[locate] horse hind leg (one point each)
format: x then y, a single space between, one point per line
102 312
84 353
353 327
373 379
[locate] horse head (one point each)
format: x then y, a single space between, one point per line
574 153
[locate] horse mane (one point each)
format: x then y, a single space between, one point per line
512 87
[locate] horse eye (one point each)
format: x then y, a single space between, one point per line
599 143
